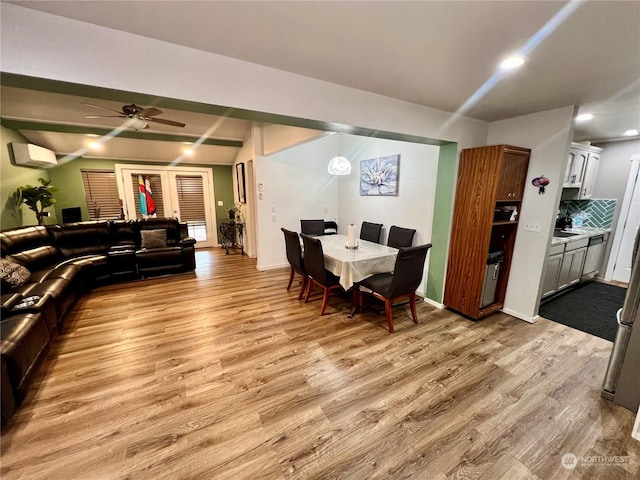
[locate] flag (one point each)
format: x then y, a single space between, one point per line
151 204
147 204
143 196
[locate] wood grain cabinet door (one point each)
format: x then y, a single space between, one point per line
513 176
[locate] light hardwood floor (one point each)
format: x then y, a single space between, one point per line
223 374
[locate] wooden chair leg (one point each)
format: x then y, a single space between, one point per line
325 301
387 311
306 299
291 278
412 303
303 287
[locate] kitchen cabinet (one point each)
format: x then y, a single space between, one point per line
575 168
582 169
572 263
550 283
554 262
490 180
589 180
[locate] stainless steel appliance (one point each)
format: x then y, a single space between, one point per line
622 379
491 274
593 259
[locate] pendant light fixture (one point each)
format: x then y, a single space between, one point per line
339 165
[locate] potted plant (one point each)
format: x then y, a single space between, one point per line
38 198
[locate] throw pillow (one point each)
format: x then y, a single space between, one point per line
13 273
154 238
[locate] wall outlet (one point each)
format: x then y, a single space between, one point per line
532 226
220 203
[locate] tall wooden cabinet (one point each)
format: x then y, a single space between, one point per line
491 181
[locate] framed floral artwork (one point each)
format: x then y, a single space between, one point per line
379 176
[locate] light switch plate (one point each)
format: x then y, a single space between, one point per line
532 226
220 203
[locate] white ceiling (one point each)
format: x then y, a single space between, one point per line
427 52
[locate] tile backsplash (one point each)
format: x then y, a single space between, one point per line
597 213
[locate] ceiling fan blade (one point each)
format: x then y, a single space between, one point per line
165 122
149 112
103 108
105 116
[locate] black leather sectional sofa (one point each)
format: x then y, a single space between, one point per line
45 268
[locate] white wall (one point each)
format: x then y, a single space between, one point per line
611 182
295 185
548 135
106 58
613 172
411 208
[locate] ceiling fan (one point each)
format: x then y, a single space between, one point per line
135 117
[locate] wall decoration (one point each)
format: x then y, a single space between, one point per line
540 182
379 176
240 179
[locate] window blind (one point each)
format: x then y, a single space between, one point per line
101 192
191 199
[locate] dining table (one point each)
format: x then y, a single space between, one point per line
352 265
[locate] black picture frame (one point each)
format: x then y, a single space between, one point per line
241 186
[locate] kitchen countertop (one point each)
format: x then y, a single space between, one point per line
582 232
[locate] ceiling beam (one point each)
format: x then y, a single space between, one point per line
137 134
56 86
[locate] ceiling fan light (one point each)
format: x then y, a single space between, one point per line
339 166
135 123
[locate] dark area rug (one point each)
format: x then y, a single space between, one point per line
590 307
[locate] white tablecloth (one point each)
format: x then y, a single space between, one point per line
353 265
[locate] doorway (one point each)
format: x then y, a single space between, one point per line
627 228
186 193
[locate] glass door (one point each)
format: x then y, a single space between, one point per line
182 192
190 197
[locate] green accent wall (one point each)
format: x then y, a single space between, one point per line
441 230
12 177
223 185
68 178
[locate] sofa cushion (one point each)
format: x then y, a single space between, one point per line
39 258
13 273
156 238
83 238
23 238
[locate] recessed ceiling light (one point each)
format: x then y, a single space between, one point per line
187 151
631 132
584 117
95 145
512 62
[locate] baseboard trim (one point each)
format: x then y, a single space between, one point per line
263 268
434 303
520 316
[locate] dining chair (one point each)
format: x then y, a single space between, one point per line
294 256
312 227
330 227
318 274
400 237
370 231
399 285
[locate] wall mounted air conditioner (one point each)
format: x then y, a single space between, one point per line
29 155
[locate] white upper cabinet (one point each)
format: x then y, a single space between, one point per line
582 170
